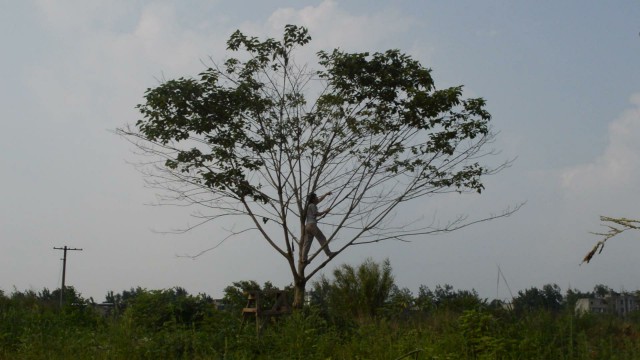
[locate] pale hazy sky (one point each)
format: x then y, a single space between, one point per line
561 78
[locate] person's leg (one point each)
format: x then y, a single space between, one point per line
308 239
323 242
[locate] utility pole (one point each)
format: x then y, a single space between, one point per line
64 269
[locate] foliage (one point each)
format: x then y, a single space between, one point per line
400 302
235 295
121 300
31 329
156 308
29 317
359 292
601 290
533 299
446 298
573 295
481 333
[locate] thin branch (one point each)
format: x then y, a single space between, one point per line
616 227
193 257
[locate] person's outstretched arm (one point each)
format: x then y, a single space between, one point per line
325 212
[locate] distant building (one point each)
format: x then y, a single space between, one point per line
618 304
219 304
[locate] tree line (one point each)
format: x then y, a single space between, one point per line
356 311
353 293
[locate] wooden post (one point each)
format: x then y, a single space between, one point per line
64 270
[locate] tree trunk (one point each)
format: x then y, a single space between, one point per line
299 282
298 293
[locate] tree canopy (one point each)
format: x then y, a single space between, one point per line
254 135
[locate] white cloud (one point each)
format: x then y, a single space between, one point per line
101 71
331 26
619 166
76 16
118 49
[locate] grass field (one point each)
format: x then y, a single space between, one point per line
166 324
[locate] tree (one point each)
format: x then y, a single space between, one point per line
446 298
253 136
400 301
533 299
573 295
615 227
601 290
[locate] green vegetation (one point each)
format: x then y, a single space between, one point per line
358 314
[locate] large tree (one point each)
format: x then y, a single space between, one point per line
254 135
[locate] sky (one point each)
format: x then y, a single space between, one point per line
561 80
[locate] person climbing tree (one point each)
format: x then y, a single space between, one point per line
311 227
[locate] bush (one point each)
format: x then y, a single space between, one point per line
155 309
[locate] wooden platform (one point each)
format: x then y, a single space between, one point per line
255 307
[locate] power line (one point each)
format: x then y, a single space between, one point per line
64 269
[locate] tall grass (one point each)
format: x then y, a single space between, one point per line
189 328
